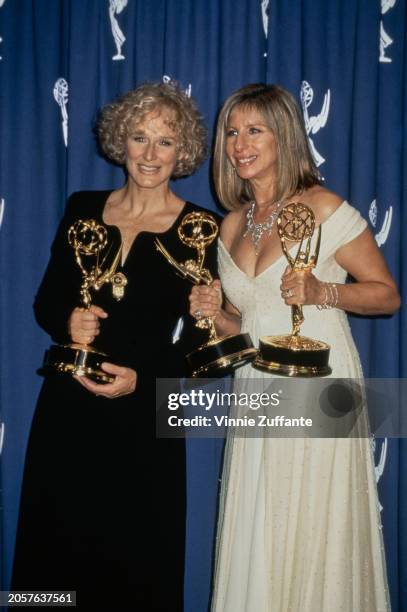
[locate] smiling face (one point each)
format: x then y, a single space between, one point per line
151 150
250 145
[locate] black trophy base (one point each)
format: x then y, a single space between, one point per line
76 359
296 356
223 355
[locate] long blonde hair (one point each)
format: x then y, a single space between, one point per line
280 111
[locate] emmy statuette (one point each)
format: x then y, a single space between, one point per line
89 241
295 355
198 230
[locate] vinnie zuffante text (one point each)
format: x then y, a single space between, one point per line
209 401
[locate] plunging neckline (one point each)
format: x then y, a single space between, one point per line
256 276
251 278
135 239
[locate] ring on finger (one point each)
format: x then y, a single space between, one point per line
198 313
288 293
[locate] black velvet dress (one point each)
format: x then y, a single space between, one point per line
103 501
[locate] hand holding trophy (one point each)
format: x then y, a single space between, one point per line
89 242
198 230
295 355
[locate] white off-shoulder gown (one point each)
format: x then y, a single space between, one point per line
299 526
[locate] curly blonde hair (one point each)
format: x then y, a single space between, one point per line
281 113
116 120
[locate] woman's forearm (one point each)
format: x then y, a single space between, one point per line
227 323
365 298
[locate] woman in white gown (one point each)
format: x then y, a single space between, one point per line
299 526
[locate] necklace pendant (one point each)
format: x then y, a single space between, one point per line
119 281
256 230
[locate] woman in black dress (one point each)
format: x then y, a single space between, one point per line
103 501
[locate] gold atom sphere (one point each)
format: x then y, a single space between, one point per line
198 229
295 222
87 236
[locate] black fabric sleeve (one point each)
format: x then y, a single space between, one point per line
58 293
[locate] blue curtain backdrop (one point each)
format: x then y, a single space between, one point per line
60 60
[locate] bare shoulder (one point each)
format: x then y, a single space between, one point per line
232 224
322 202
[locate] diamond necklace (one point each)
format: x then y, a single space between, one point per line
256 230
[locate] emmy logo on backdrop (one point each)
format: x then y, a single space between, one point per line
264 7
198 230
265 15
2 429
373 213
187 91
315 123
2 207
97 263
382 235
1 39
61 97
115 8
385 39
379 468
295 355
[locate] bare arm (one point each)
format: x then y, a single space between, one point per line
228 320
206 301
374 291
